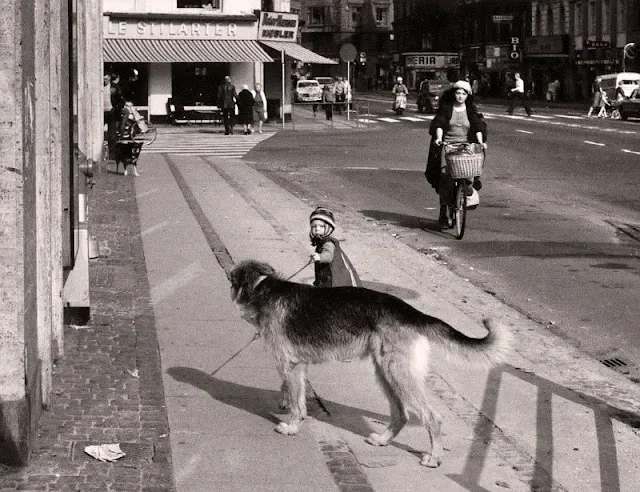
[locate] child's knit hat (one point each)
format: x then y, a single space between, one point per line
325 215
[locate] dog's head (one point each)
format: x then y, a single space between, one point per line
245 276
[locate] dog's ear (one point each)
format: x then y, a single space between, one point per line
246 274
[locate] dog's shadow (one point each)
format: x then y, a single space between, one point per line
264 403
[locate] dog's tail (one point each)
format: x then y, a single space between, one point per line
486 351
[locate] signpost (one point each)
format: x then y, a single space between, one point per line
348 53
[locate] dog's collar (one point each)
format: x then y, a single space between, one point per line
262 277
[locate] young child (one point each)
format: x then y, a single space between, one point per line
333 268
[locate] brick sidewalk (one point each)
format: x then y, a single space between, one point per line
107 388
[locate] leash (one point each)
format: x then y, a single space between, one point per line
305 266
255 337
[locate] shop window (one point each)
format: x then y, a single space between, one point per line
316 16
199 4
197 83
382 17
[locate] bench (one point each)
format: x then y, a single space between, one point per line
179 114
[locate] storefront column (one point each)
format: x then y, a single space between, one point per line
160 89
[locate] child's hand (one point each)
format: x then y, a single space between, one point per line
315 257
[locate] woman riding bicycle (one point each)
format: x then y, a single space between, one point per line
457 121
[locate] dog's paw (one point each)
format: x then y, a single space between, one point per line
430 460
377 439
287 429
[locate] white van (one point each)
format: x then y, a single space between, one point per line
629 81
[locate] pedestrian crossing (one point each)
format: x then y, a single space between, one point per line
206 144
568 120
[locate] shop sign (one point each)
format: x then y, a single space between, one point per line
431 60
276 26
592 45
176 29
498 19
546 45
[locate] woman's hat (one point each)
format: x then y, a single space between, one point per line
325 215
463 84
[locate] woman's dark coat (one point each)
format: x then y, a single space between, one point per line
441 120
245 107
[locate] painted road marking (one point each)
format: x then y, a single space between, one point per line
569 117
525 131
630 151
542 117
410 118
389 120
594 143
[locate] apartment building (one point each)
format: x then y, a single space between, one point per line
327 25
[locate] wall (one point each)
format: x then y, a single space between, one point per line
159 87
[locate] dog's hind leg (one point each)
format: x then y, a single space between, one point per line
295 378
399 415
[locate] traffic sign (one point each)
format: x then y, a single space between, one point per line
631 51
348 52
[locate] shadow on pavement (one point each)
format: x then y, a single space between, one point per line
402 220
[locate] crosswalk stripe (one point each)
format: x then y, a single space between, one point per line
185 143
389 120
410 118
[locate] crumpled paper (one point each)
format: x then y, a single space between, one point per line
105 452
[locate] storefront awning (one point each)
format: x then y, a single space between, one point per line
299 53
183 50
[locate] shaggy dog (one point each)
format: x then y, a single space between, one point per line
308 325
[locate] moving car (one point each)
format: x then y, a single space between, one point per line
308 91
631 106
628 81
430 93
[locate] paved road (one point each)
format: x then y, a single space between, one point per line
556 234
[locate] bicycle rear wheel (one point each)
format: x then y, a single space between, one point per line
148 136
460 210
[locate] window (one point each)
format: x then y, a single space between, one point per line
355 17
562 19
578 19
316 16
199 4
606 17
549 20
591 17
381 16
538 22
622 15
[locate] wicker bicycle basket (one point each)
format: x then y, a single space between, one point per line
464 164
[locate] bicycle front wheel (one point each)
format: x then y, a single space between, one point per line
460 210
148 136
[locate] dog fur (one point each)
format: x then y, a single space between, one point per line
309 325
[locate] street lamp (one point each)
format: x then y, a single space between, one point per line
629 51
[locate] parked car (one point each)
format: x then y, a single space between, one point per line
430 93
631 106
308 91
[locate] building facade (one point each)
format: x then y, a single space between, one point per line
577 40
50 135
367 25
182 50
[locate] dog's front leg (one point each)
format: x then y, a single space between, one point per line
295 380
285 392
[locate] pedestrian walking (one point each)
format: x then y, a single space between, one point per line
226 101
604 104
332 267
518 95
596 98
245 109
340 92
552 90
259 106
328 100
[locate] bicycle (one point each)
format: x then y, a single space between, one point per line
143 131
464 162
